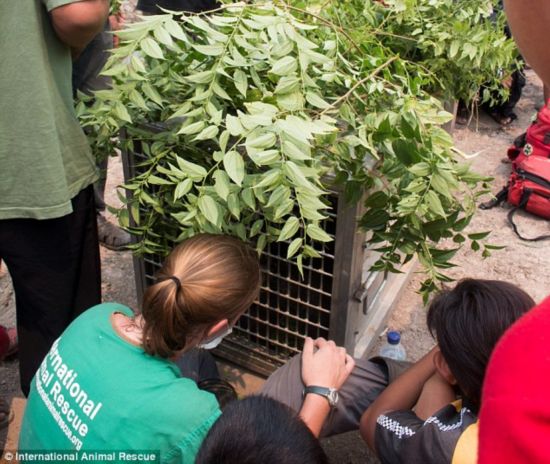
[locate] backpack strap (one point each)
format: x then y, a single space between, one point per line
499 198
524 199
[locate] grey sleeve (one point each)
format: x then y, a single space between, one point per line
362 387
52 4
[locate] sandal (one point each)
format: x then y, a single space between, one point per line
6 415
9 344
112 236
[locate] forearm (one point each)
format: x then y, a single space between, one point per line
77 23
403 393
436 394
314 412
529 21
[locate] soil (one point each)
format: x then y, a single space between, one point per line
524 263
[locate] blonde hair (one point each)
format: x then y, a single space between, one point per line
219 278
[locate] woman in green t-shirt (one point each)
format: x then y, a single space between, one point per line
109 383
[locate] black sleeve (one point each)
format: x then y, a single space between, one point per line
402 437
195 6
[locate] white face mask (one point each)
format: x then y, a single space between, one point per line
210 345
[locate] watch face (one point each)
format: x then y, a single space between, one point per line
332 397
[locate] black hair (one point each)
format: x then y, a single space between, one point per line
468 321
260 430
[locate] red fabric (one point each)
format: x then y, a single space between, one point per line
514 423
537 137
4 342
539 199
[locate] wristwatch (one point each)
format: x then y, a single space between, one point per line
331 394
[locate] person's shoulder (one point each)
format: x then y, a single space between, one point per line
401 436
97 315
187 446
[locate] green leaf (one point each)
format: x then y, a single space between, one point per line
234 206
122 113
297 154
375 219
204 77
191 169
479 236
256 227
224 138
316 233
234 165
210 209
434 203
265 158
420 169
269 178
315 100
175 30
220 92
241 81
209 133
233 125
155 180
377 200
193 128
285 66
455 45
294 247
151 48
495 247
152 93
297 175
287 84
290 228
137 64
210 50
247 196
266 140
163 36
182 189
222 184
440 186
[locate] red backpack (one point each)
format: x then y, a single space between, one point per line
529 183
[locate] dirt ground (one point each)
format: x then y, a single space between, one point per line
526 264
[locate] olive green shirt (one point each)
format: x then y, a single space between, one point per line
45 159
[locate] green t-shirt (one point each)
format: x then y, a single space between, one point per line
97 393
44 156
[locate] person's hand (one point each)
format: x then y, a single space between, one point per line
324 364
116 22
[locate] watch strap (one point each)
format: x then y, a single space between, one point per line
331 394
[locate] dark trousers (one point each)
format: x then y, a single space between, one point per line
55 268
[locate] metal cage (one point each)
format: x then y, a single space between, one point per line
335 298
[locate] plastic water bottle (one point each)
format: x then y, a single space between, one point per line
393 348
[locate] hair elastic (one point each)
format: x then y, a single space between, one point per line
176 281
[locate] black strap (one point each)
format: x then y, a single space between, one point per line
523 202
499 198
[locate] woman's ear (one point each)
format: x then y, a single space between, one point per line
443 368
215 329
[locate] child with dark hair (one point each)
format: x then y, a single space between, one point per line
429 414
260 430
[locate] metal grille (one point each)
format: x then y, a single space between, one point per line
289 307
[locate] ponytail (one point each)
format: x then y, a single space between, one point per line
204 280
